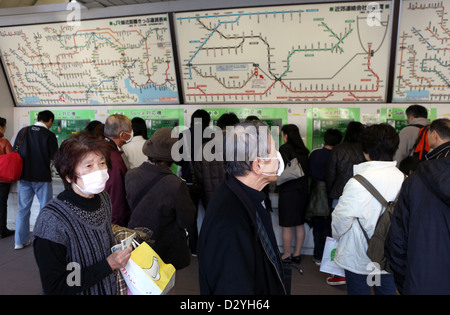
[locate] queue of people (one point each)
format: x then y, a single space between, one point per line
113 174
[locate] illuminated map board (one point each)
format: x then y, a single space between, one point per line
67 122
423 52
334 52
107 62
275 118
321 119
396 117
155 118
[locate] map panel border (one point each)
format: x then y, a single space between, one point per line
398 48
385 80
170 44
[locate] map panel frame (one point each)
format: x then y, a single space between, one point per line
256 83
104 70
422 61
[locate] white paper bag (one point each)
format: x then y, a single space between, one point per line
139 282
328 265
147 274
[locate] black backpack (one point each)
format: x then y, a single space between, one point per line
375 249
421 146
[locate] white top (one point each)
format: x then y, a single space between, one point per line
132 152
357 202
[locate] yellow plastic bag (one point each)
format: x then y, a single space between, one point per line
147 274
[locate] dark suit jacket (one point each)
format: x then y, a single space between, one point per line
115 186
232 257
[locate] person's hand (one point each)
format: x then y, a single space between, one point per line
119 258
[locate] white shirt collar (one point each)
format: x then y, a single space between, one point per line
40 124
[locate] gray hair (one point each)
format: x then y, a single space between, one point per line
244 142
115 124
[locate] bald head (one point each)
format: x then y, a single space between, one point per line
115 124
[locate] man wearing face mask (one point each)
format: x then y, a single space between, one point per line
118 131
237 248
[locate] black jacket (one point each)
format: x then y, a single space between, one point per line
232 257
418 244
340 167
37 150
442 151
165 208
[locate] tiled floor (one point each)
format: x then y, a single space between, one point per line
19 275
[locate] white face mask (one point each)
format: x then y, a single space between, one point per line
94 183
280 164
131 136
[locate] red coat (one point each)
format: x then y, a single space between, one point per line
5 145
115 186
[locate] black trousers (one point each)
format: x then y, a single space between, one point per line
193 229
321 229
4 192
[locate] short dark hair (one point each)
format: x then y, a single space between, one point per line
90 127
73 149
45 116
95 129
227 119
294 138
139 127
380 141
203 115
353 131
332 137
2 122
442 127
251 118
416 111
409 163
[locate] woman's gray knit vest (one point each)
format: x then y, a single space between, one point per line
86 243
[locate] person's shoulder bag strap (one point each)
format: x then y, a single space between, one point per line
371 189
156 179
22 137
363 181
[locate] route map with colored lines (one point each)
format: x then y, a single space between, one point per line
334 52
108 61
423 52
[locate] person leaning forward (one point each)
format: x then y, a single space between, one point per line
118 131
160 201
418 244
237 249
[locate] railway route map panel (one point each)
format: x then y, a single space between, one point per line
333 52
107 62
423 52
